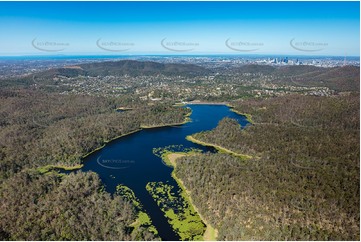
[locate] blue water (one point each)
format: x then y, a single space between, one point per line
130 160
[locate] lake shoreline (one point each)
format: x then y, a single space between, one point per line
207 103
186 120
247 115
79 166
218 147
162 138
170 159
49 168
108 141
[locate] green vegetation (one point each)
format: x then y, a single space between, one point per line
169 154
58 130
143 227
48 132
170 158
127 194
144 221
304 185
125 67
50 168
67 207
219 148
180 213
248 116
164 115
225 138
300 180
163 152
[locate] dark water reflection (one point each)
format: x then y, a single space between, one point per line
130 160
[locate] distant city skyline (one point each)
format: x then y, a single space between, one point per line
180 28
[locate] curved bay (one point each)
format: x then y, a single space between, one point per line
130 160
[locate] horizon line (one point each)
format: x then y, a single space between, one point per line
175 55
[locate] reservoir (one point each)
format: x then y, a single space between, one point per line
130 161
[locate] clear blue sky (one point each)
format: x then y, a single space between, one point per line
328 28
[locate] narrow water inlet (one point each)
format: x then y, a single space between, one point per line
130 161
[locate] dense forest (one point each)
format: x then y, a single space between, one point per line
71 207
125 67
302 182
39 129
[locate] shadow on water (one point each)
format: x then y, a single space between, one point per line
130 160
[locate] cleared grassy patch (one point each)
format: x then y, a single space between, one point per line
177 150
